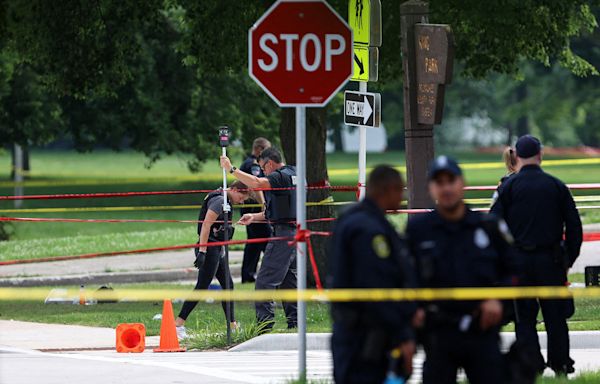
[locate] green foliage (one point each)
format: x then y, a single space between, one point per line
159 76
81 47
7 230
28 113
204 339
496 36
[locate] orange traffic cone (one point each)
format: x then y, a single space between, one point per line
168 333
131 337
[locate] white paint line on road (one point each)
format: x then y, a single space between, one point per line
217 373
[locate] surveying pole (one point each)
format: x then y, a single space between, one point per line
224 142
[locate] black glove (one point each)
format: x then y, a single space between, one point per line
200 257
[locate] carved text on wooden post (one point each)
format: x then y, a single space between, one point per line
435 56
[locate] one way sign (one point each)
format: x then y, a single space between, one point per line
362 108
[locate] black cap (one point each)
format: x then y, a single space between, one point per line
528 146
443 164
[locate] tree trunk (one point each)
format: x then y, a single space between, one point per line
522 127
316 175
509 134
338 142
26 167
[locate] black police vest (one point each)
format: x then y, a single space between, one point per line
281 204
217 230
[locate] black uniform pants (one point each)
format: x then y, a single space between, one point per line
252 251
278 270
477 353
214 265
351 365
541 269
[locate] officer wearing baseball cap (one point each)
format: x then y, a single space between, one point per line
540 212
278 267
456 247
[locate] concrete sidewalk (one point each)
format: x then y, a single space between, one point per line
69 358
59 337
42 336
322 341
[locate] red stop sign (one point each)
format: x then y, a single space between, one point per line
300 52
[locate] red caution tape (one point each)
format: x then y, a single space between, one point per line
303 235
152 193
146 250
319 185
591 236
151 250
64 220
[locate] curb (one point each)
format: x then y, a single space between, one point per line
109 278
321 341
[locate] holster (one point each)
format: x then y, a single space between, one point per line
560 255
375 346
376 341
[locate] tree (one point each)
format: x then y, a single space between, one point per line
87 50
28 114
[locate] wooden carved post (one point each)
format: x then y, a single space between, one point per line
427 59
418 137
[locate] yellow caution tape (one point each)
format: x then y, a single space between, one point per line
332 295
484 165
489 200
105 179
111 181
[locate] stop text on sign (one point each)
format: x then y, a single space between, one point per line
311 50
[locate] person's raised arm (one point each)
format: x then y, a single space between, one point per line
250 180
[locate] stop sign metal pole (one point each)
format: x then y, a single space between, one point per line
301 220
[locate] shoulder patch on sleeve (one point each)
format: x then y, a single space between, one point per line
505 231
381 247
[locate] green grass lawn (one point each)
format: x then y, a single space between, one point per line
581 378
103 171
206 322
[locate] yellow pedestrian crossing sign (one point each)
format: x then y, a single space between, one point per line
366 65
364 17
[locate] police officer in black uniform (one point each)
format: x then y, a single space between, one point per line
540 210
457 247
209 260
278 267
367 252
252 251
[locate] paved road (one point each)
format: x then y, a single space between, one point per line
20 366
590 255
22 363
139 262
